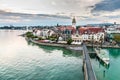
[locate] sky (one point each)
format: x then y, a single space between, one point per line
51 12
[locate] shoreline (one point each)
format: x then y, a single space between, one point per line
66 46
70 47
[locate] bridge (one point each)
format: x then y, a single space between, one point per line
89 73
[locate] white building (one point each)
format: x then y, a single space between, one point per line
95 37
77 39
43 33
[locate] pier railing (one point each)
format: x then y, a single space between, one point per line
88 70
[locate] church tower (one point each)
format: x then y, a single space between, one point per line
74 22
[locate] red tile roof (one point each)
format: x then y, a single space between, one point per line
89 30
62 28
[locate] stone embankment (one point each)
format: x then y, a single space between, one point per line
70 47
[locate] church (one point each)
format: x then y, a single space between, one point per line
77 39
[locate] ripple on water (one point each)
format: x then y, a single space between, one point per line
24 61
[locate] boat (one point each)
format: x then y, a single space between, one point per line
103 55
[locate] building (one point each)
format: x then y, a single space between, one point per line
44 33
77 39
95 34
68 30
90 30
92 33
74 22
93 37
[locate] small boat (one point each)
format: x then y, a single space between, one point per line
102 55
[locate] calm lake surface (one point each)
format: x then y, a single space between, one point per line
21 60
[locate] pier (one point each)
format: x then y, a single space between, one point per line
89 73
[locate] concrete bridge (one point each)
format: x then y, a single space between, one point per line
89 73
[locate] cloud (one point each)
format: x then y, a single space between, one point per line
59 11
107 5
76 7
30 19
12 15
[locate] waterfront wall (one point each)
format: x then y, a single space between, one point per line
66 46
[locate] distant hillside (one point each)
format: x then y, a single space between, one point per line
101 24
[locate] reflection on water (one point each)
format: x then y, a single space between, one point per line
20 60
49 49
92 55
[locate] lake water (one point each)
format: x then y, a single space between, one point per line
21 60
111 72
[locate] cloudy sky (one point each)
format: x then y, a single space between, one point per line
51 12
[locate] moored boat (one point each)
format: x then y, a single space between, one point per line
102 55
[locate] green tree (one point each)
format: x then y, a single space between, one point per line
117 37
69 41
29 34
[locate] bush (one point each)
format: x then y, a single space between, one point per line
69 41
40 38
29 34
34 37
52 38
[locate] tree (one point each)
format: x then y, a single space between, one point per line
117 37
29 34
69 41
